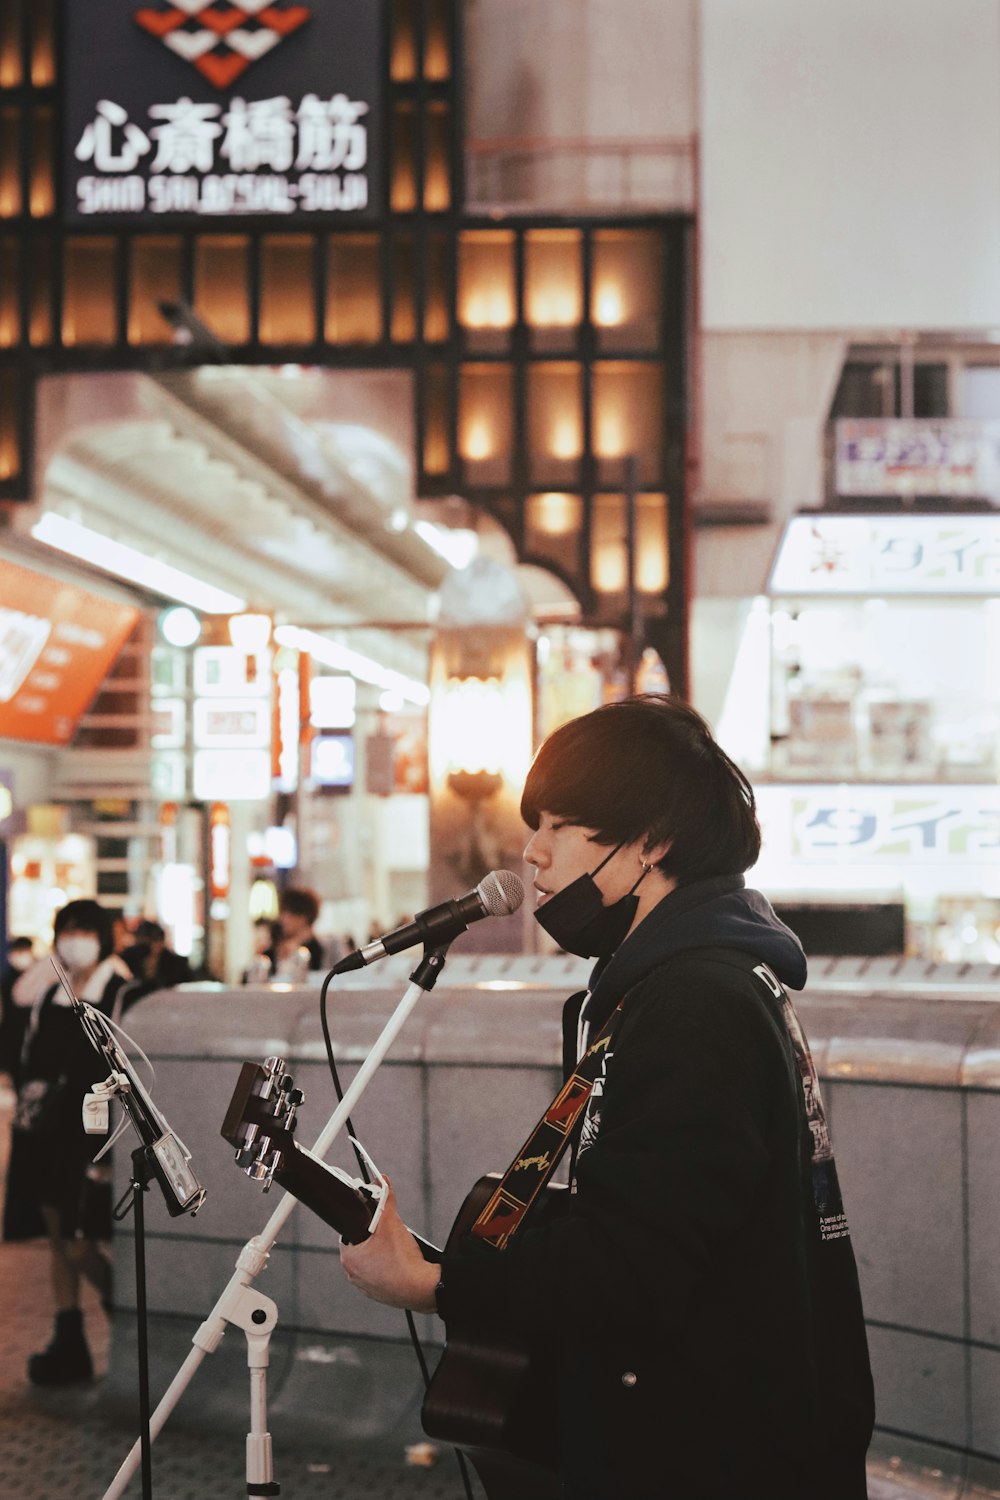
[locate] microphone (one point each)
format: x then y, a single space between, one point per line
497 895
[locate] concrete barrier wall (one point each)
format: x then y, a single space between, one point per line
910 1062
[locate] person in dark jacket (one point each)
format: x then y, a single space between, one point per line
19 958
296 949
698 1300
53 1185
155 965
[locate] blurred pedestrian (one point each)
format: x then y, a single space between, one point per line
296 948
19 957
53 1185
262 939
155 965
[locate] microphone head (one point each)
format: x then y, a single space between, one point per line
501 892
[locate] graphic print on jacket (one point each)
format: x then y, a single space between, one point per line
826 1188
592 1114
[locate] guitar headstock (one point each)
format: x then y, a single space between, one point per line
260 1121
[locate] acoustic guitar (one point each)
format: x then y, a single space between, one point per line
490 1395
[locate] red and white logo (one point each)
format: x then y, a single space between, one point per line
221 38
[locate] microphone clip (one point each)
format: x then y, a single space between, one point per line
431 966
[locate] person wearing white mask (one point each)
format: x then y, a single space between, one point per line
53 1187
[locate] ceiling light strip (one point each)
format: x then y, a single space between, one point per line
134 566
333 654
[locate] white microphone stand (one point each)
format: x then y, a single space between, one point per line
242 1305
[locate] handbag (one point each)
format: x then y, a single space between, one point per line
41 1106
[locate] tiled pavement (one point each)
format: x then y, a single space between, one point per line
70 1443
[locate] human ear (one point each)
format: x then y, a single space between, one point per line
651 854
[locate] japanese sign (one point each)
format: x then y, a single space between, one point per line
918 456
906 835
234 107
832 554
57 644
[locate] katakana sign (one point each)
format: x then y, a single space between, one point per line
213 110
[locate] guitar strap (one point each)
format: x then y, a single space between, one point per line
538 1158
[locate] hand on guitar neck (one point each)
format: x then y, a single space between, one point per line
389 1267
388 1263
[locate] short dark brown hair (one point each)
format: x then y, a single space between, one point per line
300 901
649 768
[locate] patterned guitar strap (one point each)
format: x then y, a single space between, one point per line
538 1158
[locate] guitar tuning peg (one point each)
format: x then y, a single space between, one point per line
295 1098
286 1083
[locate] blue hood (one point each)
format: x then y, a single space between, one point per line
720 913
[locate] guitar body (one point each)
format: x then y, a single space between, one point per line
491 1395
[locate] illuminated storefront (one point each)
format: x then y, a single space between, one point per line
866 702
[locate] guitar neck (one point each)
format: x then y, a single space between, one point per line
337 1203
325 1191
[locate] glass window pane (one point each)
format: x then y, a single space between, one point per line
41 167
486 290
437 41
437 169
864 390
10 322
485 422
220 281
930 390
155 277
553 286
652 570
403 326
555 423
437 301
43 43
10 163
287 289
89 313
437 424
10 416
41 281
608 545
627 420
354 299
353 289
626 300
552 529
403 63
403 182
11 41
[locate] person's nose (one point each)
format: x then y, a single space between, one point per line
534 850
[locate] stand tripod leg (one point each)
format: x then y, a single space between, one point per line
260 1471
140 1179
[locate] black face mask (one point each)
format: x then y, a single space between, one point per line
580 922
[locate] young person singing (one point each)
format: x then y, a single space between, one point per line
698 1298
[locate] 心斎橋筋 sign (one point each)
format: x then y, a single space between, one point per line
214 108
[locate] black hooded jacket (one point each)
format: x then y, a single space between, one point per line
706 1330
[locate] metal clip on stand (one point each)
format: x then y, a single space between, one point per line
243 1306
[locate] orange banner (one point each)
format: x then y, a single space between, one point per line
57 645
